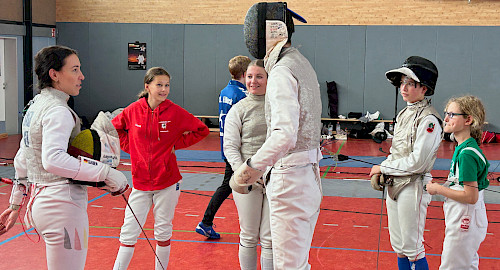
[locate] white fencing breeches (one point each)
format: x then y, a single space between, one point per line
253 213
406 217
59 214
294 194
466 226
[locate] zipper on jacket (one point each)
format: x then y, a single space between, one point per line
150 148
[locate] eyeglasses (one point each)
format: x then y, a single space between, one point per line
451 114
409 82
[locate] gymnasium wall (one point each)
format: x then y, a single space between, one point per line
350 42
317 12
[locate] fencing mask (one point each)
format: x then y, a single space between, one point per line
100 142
268 25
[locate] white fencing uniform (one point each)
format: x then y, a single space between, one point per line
417 136
245 132
57 210
293 115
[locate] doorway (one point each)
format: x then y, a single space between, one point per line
9 90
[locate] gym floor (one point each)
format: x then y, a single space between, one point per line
351 232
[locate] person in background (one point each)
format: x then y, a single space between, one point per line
230 95
245 132
150 130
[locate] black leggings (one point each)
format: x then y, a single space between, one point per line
219 196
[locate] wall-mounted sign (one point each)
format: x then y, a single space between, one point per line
137 56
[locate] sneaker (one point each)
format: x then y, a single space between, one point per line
207 231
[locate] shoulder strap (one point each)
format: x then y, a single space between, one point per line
475 151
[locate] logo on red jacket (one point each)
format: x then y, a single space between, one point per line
163 125
430 128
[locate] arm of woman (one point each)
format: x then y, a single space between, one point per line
194 132
232 139
120 124
57 125
468 195
9 216
468 166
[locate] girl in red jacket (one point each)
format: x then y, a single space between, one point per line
150 129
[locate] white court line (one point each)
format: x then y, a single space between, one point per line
326 224
1 193
189 215
118 208
126 163
489 233
220 217
360 226
93 205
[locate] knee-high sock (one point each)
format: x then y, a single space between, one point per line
248 257
266 259
163 252
123 257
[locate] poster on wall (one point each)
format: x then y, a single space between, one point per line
137 56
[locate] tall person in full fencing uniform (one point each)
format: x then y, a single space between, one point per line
289 158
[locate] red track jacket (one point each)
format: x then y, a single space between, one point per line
148 136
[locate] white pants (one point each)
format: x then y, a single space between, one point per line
253 213
406 218
164 201
294 194
59 214
466 226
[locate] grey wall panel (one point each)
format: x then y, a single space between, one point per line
76 36
167 50
107 61
304 39
356 70
383 52
356 57
230 42
131 81
38 44
200 47
454 62
332 60
485 81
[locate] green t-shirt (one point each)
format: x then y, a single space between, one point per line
471 167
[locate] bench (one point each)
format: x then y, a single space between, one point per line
206 120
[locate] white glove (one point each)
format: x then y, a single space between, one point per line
244 177
19 190
95 171
116 182
378 182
